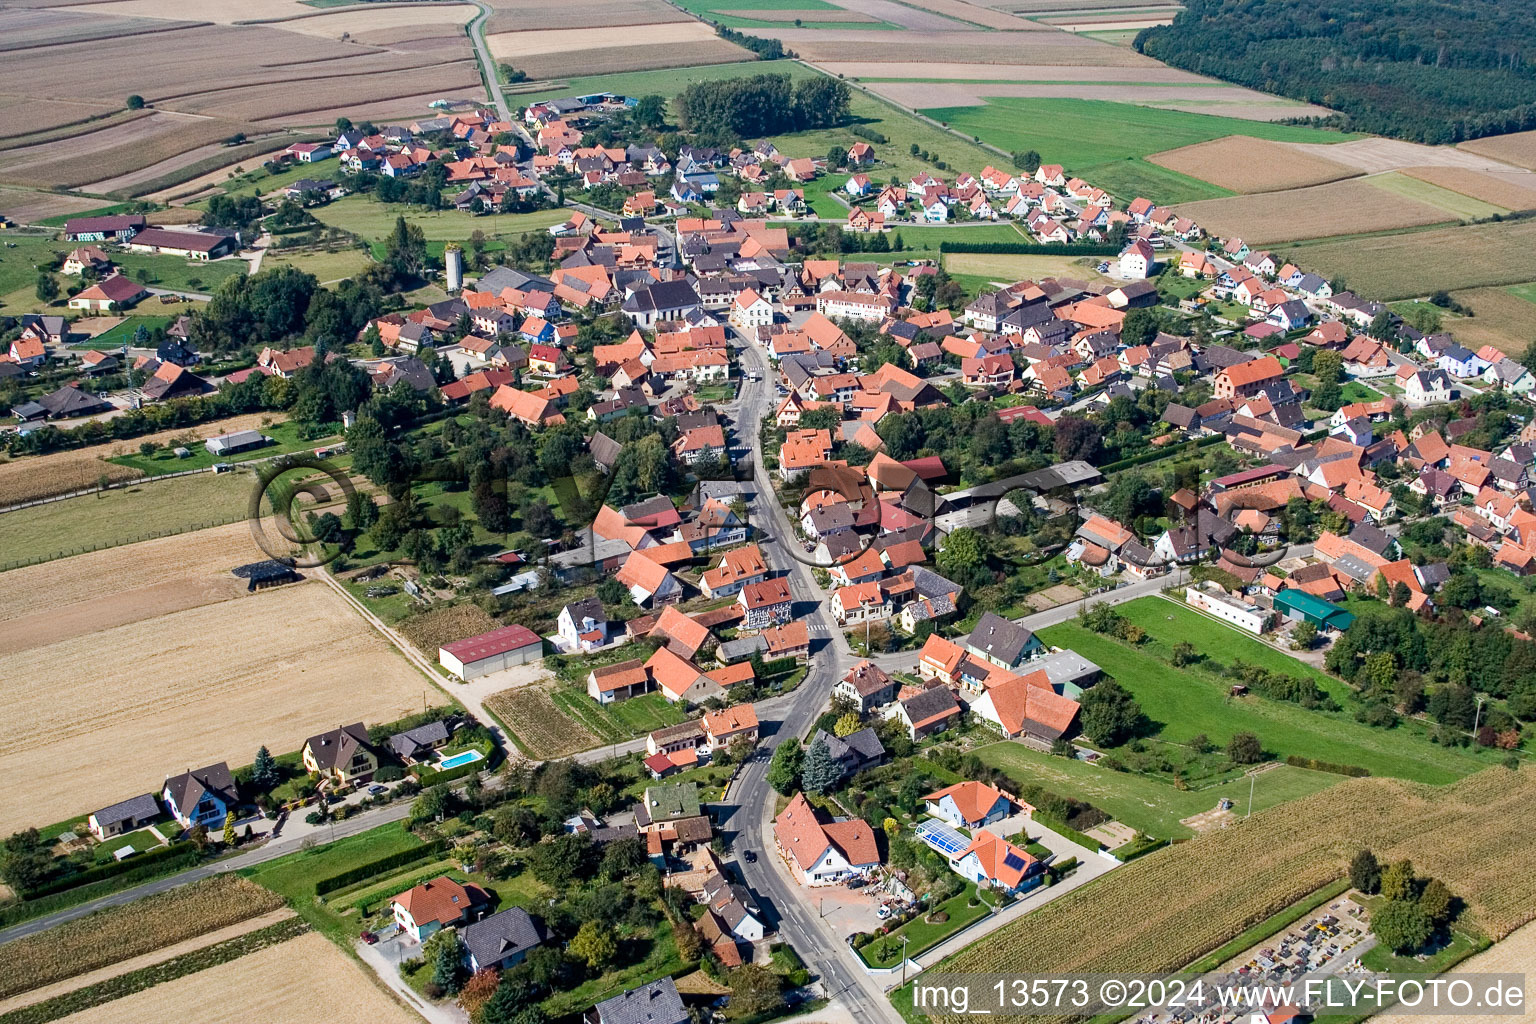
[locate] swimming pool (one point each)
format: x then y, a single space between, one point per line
456 760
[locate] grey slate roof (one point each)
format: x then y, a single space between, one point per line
493 939
999 638
188 788
405 744
133 809
656 1003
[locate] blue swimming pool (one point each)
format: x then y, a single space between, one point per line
459 759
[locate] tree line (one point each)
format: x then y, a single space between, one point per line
1431 73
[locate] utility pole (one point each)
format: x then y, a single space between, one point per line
1252 778
1479 716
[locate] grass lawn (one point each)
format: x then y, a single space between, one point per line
182 275
124 516
1186 703
1133 176
921 935
294 876
255 181
1354 391
115 338
328 267
1146 804
141 841
1084 135
1461 945
165 461
372 220
20 253
1524 291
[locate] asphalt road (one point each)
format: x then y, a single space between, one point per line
751 804
487 64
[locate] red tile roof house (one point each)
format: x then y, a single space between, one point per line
968 804
998 863
618 682
490 652
438 904
115 292
824 853
767 603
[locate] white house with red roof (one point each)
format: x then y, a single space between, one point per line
969 804
824 853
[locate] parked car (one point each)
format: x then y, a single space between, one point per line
750 856
376 789
369 937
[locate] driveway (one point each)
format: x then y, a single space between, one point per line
384 958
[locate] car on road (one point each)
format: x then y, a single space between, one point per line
376 789
750 857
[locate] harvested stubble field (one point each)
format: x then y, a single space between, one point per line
517 15
287 981
543 730
1245 164
1316 212
28 207
1394 266
1515 955
1153 915
1373 155
188 689
926 95
902 16
518 46
120 933
927 71
20 116
1499 191
1504 320
792 14
1518 149
1035 44
222 12
976 14
333 24
54 601
39 476
93 155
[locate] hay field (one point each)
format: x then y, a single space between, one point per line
1154 915
976 14
1518 149
517 15
55 601
287 981
785 14
518 46
116 710
1499 191
1011 268
1515 955
931 71
1245 164
38 476
1373 155
1342 207
1035 45
335 24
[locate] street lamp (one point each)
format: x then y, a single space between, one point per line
1479 716
903 958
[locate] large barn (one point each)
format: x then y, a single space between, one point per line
490 652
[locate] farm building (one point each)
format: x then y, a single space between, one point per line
1298 606
238 441
268 573
118 226
194 245
491 652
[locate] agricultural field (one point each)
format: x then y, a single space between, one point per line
1424 190
1187 702
27 477
122 933
372 220
1516 954
1145 804
1356 205
546 53
287 981
26 206
123 516
1518 148
1245 164
328 267
1107 142
768 13
1160 912
1512 190
540 728
1503 319
1414 263
1006 269
202 703
666 83
514 15
57 601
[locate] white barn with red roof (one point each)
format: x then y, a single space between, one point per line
481 655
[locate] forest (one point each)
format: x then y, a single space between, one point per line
1432 73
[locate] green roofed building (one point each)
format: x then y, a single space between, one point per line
1298 605
667 803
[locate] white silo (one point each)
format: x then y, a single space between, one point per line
454 257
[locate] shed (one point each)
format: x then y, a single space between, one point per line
1298 605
